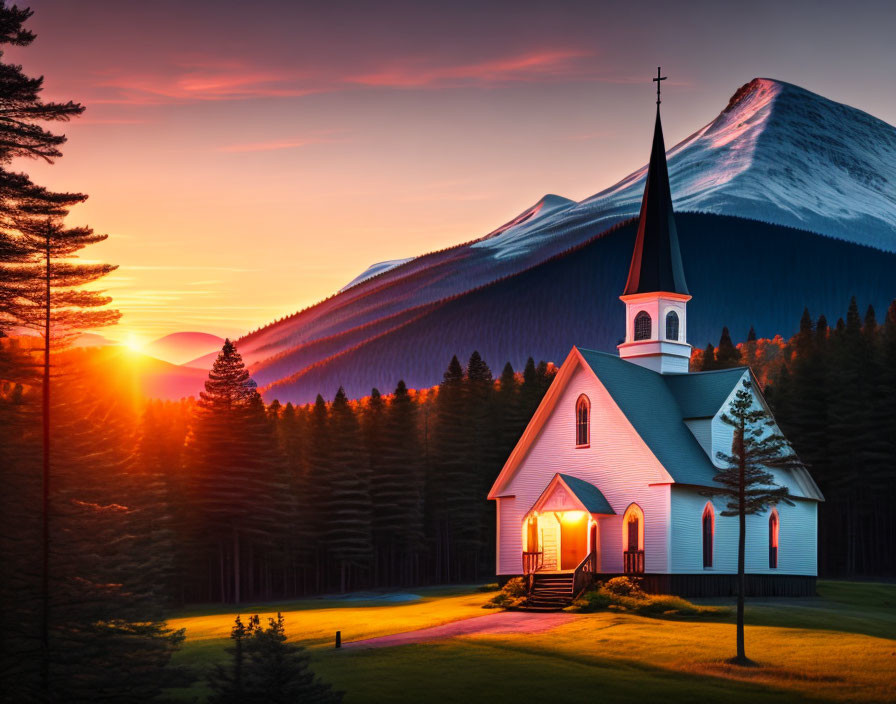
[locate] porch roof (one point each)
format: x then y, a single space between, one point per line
590 496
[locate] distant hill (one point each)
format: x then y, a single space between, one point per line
182 347
136 375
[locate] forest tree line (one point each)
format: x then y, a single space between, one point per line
281 500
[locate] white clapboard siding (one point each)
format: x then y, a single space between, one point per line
797 552
617 462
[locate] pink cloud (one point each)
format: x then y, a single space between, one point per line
203 83
204 80
524 67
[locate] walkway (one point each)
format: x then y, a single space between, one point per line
500 622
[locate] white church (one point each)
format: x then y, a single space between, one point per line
608 477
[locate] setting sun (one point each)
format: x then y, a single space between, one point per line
133 342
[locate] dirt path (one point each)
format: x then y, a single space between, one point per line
501 622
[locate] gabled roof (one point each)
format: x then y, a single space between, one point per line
590 496
656 261
586 495
651 406
701 394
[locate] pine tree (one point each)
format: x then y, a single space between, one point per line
509 417
228 682
482 438
746 481
266 669
530 396
234 472
727 355
403 456
449 480
708 362
751 335
315 484
347 503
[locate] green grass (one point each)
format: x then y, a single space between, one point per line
840 646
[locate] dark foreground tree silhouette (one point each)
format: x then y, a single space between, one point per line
265 669
747 481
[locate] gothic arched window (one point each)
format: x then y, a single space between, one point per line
633 540
642 326
708 530
672 325
583 421
773 540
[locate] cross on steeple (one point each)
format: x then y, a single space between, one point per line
659 77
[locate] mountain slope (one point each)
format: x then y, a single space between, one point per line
776 154
741 273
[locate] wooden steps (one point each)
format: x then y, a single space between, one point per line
551 591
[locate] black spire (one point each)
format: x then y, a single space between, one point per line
656 262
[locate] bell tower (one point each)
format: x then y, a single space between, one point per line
656 293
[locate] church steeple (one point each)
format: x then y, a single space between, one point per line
656 262
656 292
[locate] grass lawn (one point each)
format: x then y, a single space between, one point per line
838 647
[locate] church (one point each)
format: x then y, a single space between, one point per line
609 477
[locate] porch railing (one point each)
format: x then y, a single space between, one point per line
532 562
583 574
633 561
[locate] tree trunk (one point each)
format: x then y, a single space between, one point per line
236 566
45 496
741 550
221 572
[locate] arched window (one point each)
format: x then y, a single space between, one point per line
709 520
642 326
583 421
672 325
633 539
773 539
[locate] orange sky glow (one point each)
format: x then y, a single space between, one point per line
249 160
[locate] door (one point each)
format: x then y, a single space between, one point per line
573 539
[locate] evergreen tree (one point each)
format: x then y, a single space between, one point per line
266 669
315 488
530 396
228 682
347 502
708 362
751 336
449 480
509 416
234 472
482 438
747 481
727 355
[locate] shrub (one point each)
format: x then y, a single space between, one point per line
512 595
625 594
625 586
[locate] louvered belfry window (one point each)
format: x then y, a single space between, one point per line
583 409
642 326
672 325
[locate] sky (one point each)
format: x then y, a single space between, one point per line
249 159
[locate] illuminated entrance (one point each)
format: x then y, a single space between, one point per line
561 529
573 538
